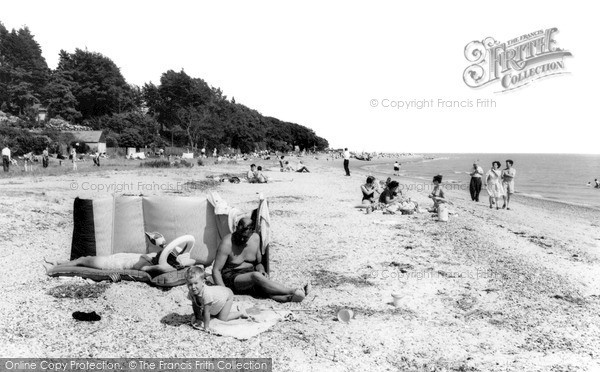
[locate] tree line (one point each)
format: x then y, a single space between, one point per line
88 89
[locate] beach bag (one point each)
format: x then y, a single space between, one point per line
443 213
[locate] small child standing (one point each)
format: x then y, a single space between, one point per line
208 301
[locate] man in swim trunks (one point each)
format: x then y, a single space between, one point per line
238 267
508 182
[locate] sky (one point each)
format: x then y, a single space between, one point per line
342 68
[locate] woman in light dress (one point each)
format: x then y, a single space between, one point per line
493 184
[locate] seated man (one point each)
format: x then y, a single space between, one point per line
238 267
260 177
251 175
302 168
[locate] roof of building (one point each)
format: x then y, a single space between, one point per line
87 136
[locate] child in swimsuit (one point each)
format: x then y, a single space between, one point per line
209 301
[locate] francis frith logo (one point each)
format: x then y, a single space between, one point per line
514 63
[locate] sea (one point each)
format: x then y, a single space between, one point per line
559 177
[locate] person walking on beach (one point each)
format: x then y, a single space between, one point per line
492 184
6 158
475 186
347 161
396 168
508 182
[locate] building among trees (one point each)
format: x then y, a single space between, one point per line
94 139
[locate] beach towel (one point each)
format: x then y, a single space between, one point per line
227 217
263 228
244 329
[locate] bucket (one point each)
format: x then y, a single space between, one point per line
345 315
396 299
442 213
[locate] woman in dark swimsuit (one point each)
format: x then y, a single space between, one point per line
368 191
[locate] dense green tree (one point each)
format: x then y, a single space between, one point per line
96 82
23 70
131 137
88 88
59 99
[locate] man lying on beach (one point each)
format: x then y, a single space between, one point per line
238 267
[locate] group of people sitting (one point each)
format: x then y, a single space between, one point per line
285 166
386 197
389 198
237 269
255 175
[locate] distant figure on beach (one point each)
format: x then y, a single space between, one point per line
215 153
597 184
287 167
282 164
260 177
475 185
368 191
251 175
238 266
493 185
437 194
45 158
508 182
6 160
302 168
74 158
97 158
347 161
396 168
